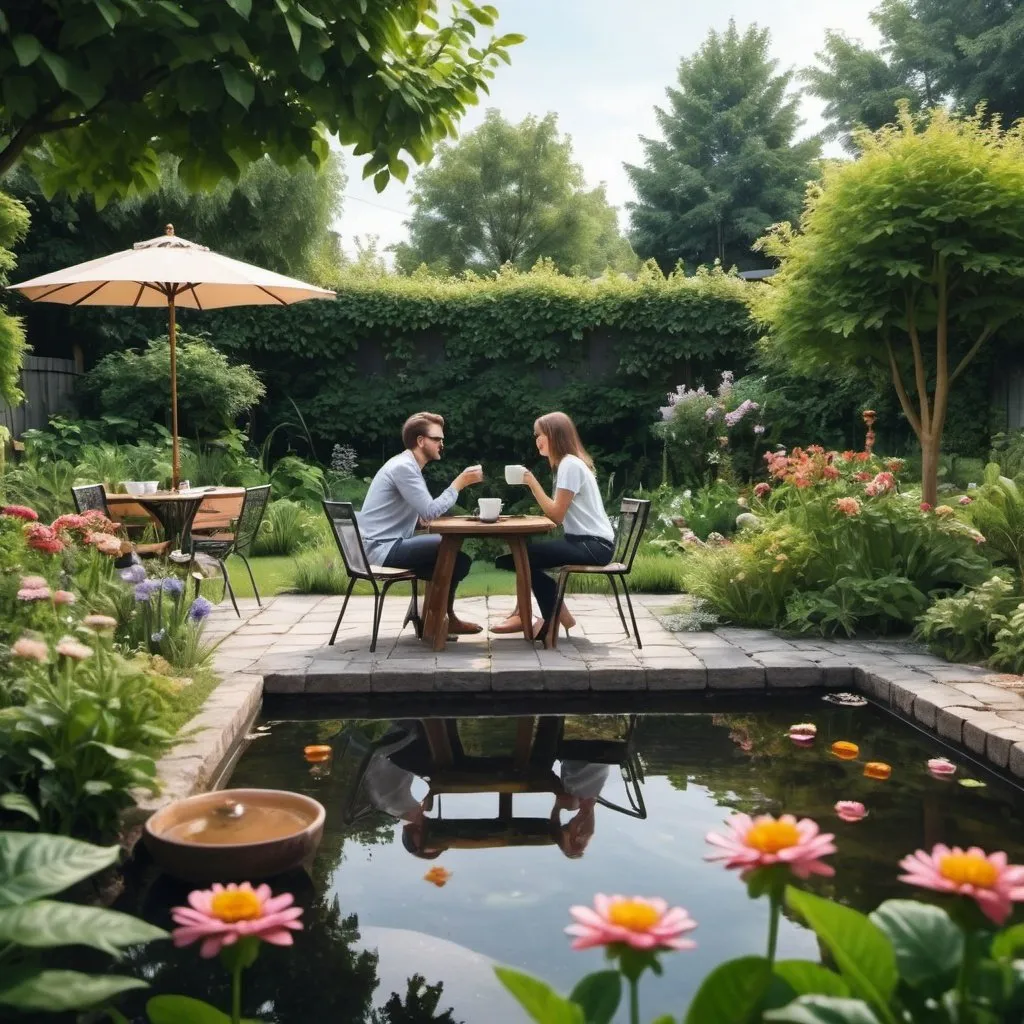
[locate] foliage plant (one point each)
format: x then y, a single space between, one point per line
34 868
511 193
14 220
907 257
964 627
212 393
728 163
91 87
286 528
997 510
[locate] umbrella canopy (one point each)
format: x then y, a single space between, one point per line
173 272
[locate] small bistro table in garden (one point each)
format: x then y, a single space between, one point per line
454 530
174 510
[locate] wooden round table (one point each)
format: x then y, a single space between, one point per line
454 529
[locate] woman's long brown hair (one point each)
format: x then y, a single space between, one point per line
563 438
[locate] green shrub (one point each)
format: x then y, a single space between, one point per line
320 571
998 512
653 573
1008 654
286 528
964 627
292 478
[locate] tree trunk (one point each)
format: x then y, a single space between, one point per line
930 447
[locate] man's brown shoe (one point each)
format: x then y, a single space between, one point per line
458 627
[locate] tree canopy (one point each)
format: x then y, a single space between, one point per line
95 90
13 226
910 257
727 167
511 194
958 52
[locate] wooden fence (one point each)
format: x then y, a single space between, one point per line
48 385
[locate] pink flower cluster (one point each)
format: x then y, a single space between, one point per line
848 506
34 588
20 512
43 538
882 483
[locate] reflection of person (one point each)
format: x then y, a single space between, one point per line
589 538
389 789
582 782
398 500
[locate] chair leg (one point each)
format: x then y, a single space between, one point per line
378 610
413 613
632 617
615 591
252 579
227 587
551 636
341 614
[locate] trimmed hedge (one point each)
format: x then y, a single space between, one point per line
490 355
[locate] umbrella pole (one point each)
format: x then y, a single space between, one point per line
175 463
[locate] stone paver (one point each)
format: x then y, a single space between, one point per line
285 643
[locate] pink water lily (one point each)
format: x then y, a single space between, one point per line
223 914
634 921
941 767
765 841
803 734
850 810
987 878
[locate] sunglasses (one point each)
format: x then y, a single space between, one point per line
434 437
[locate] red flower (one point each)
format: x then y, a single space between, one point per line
762 490
925 507
43 538
20 512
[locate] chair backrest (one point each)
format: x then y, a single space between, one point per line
254 504
90 496
342 517
633 513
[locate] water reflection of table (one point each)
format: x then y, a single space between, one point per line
454 529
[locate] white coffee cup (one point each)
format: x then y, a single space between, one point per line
490 509
151 486
515 474
134 487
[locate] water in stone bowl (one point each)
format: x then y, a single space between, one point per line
235 834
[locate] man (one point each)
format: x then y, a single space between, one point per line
398 499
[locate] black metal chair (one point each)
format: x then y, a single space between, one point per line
93 498
237 542
342 517
633 513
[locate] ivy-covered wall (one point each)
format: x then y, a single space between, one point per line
490 355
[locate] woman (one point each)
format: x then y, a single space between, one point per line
589 538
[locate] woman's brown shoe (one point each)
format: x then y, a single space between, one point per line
513 624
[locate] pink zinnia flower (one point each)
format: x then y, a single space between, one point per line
848 506
764 841
224 914
64 597
20 512
941 767
72 648
34 593
72 521
34 583
986 878
965 500
26 647
762 490
630 921
851 810
99 622
42 538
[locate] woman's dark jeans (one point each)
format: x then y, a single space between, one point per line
572 549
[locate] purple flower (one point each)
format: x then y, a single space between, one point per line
157 638
172 585
200 609
732 418
144 590
133 574
710 412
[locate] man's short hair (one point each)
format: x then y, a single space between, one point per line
418 425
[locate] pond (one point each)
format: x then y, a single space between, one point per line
519 859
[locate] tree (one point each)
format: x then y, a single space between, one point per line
957 52
510 193
14 221
910 257
727 167
100 88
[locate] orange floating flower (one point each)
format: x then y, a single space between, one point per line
845 750
877 770
437 876
317 753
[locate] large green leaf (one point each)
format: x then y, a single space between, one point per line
36 865
806 978
541 1002
1009 943
19 804
47 923
178 1009
56 991
599 995
860 948
824 1010
732 992
926 942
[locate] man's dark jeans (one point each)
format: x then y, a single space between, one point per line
420 555
572 549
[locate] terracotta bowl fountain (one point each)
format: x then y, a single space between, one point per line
235 835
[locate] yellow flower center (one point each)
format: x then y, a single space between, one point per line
968 869
235 905
772 836
637 917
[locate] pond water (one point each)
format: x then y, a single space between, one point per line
519 859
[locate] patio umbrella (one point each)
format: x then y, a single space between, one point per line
173 272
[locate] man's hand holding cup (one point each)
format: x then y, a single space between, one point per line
469 476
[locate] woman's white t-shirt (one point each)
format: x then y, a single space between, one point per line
586 515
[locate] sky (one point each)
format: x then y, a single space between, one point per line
602 66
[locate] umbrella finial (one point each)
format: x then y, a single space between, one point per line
169 229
